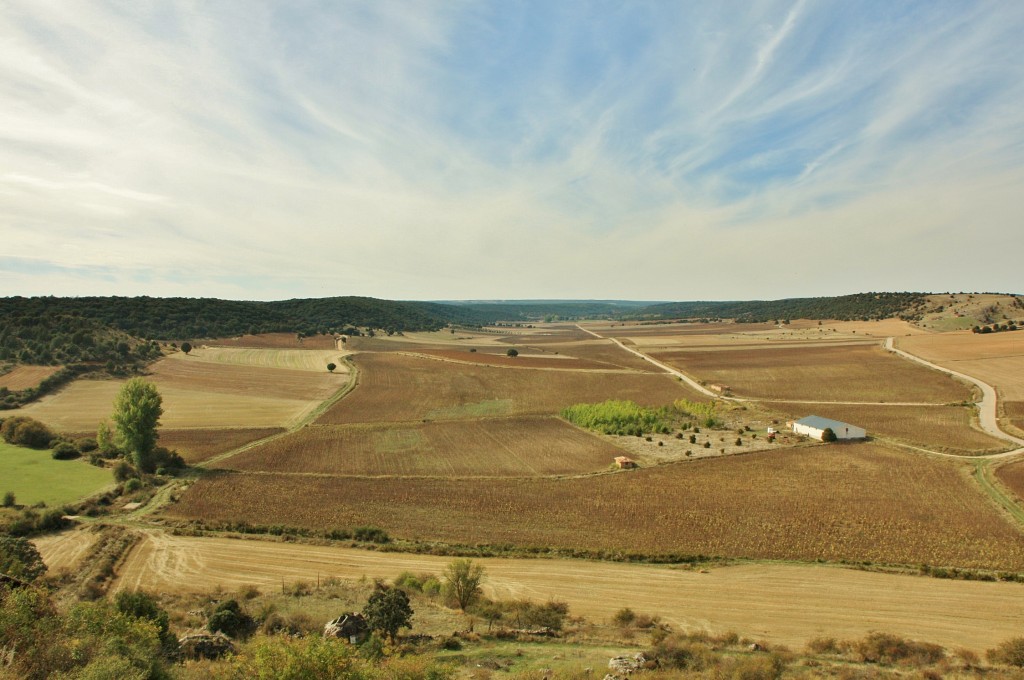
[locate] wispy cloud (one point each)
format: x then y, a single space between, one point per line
520 149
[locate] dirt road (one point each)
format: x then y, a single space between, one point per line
780 603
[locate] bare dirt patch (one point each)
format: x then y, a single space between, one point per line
513 447
24 377
395 387
783 604
857 502
848 373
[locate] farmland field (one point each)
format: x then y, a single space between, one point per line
196 445
24 377
1014 411
849 373
34 476
275 341
995 358
852 502
524 360
489 447
315 360
749 598
396 388
939 428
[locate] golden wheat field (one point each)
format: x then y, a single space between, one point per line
855 502
820 373
498 447
314 360
995 358
947 429
24 377
397 387
198 445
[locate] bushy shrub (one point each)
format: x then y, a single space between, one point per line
9 500
1009 652
886 648
132 485
371 535
65 451
86 444
123 471
23 431
228 618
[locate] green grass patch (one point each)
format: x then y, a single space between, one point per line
479 409
618 417
34 476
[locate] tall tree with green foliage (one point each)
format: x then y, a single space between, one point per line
462 579
19 558
137 410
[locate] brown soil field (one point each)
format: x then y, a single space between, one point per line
634 330
1014 411
81 406
995 358
854 502
195 445
850 373
605 352
493 447
939 428
279 383
24 377
780 603
396 387
522 361
273 341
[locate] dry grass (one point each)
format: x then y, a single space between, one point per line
995 358
24 377
938 428
820 373
858 502
314 360
395 387
246 380
274 341
196 445
493 447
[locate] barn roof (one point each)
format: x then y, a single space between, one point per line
819 423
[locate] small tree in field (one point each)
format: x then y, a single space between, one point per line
512 352
137 411
331 367
828 435
462 580
387 610
186 347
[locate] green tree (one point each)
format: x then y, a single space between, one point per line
827 435
186 347
137 411
462 579
331 367
20 559
9 500
142 605
512 352
387 610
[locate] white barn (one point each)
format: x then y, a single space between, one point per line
814 427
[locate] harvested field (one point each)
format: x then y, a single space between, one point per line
622 331
396 387
860 502
1012 475
24 377
605 352
522 361
248 380
850 373
273 341
995 358
80 407
314 360
938 428
64 551
1014 411
495 447
195 445
780 603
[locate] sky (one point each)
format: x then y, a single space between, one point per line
418 150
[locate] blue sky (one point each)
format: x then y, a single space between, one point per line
453 150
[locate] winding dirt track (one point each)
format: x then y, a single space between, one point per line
780 603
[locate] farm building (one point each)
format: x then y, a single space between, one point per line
625 463
815 426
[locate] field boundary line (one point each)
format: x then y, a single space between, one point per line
988 416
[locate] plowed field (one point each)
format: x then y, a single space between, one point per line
559 362
851 502
395 388
939 428
196 446
851 373
24 377
509 447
